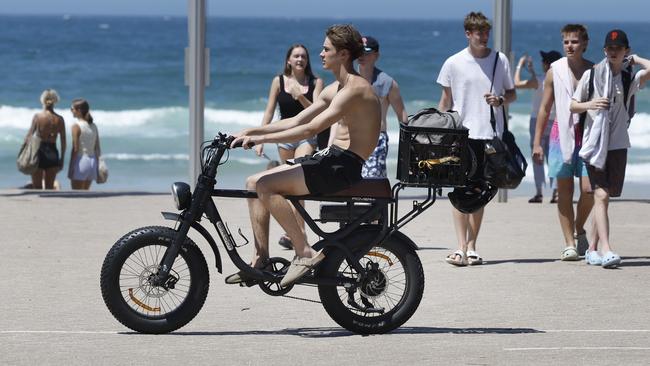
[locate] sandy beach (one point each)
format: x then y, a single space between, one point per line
523 307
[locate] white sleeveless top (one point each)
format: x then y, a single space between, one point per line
88 137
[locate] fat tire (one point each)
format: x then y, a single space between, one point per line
115 259
394 318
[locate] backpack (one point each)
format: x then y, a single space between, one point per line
433 118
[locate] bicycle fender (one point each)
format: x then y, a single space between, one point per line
217 257
404 239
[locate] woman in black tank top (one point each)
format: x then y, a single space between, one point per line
293 90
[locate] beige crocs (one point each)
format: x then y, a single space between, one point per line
299 267
569 254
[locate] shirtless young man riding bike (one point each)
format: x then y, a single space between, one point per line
351 102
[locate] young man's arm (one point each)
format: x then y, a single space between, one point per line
303 117
446 100
579 104
548 98
303 128
645 64
395 100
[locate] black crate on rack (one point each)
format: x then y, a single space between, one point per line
433 156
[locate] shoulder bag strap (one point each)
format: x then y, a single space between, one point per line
493 120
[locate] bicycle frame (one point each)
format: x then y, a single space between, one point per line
203 203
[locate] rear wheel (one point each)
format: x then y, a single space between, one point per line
126 285
386 297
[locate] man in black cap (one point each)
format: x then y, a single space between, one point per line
536 82
605 93
387 91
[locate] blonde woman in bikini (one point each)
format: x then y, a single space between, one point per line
48 126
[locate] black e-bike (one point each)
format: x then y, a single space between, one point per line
155 279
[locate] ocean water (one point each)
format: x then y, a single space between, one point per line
130 69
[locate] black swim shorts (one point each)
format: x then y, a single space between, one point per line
330 170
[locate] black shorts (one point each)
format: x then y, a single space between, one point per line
48 155
612 176
330 170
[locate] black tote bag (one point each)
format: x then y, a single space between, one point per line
505 165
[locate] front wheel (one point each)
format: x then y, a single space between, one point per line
386 297
129 294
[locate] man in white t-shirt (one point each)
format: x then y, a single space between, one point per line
605 139
469 87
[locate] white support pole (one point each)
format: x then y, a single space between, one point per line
503 43
196 67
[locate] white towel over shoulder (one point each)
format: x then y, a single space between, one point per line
595 141
563 92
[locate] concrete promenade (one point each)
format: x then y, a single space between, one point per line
522 307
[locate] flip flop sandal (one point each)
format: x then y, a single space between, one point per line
473 259
569 254
451 259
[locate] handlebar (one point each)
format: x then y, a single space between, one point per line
225 140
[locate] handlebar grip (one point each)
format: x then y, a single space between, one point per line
239 144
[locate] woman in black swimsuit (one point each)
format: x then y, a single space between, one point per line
294 90
48 125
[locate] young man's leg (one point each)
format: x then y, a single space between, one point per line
461 223
601 218
565 209
467 227
271 187
259 217
302 150
585 203
475 220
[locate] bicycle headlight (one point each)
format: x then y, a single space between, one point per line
182 195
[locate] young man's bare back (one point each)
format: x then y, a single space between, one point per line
352 103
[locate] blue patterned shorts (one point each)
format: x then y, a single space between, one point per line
375 166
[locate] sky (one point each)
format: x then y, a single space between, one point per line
572 10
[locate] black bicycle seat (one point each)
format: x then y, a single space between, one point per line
367 187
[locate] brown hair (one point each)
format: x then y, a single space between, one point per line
476 21
576 28
346 37
287 68
82 106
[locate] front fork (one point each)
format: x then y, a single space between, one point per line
199 198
